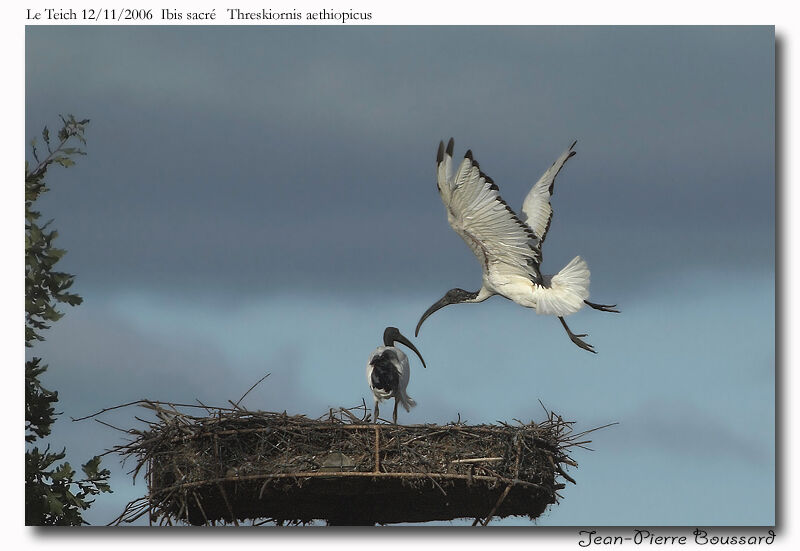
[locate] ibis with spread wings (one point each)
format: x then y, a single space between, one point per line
509 247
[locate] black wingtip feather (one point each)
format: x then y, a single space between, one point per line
450 147
468 155
440 153
573 144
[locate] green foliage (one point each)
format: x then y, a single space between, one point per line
39 410
53 497
45 287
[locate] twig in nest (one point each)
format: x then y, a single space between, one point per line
496 505
249 389
236 405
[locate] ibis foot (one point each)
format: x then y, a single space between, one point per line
577 338
602 308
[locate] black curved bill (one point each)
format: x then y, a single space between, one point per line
393 334
442 302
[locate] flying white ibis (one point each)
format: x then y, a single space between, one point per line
388 372
508 247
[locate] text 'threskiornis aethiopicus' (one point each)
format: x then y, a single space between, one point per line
508 247
388 372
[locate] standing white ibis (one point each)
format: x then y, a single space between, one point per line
388 372
509 248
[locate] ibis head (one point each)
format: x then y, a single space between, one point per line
392 335
453 296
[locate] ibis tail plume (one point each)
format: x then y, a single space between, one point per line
509 247
388 372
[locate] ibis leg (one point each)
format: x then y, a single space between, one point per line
394 415
375 417
602 307
577 338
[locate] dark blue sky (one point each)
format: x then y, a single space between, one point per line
263 199
323 143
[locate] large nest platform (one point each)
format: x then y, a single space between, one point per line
234 466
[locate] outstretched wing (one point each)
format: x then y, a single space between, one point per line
536 208
484 221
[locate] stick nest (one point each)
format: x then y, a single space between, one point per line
232 465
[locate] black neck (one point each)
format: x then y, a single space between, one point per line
460 295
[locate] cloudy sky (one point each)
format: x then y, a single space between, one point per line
262 200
